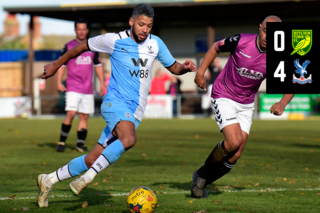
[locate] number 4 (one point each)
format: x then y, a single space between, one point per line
279 73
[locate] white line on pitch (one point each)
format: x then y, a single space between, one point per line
186 192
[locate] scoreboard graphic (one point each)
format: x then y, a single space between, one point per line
293 62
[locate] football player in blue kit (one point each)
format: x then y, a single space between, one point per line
132 54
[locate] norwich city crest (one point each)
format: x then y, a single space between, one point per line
301 41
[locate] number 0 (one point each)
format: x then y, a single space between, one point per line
279 73
278 47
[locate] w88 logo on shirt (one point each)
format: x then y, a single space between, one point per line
143 73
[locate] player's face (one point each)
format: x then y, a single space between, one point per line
140 27
263 36
81 31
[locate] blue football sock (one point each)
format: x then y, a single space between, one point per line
77 166
113 151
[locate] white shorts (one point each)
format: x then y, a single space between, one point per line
228 112
82 103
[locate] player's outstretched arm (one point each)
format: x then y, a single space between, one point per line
52 68
212 53
278 108
180 69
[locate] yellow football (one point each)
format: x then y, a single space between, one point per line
141 200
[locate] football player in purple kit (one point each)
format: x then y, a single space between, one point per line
79 91
232 100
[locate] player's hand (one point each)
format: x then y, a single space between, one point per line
277 108
200 82
102 89
49 70
189 65
61 87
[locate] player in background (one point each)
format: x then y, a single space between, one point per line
79 91
232 100
132 54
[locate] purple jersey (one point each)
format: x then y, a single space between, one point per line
240 79
80 70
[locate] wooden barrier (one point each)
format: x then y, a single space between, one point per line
11 79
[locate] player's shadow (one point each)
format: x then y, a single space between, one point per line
92 196
54 145
212 188
183 187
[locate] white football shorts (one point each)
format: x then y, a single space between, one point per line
82 103
228 112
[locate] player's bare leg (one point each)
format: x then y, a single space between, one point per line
233 157
65 129
227 164
124 138
231 145
82 132
125 132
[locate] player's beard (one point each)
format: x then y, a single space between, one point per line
135 36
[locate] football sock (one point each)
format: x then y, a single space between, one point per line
109 156
82 136
113 151
77 166
222 168
65 129
74 168
51 179
100 164
217 155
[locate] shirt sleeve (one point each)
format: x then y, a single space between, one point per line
164 55
96 60
64 50
102 43
228 44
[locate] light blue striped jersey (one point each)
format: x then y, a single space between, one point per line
131 65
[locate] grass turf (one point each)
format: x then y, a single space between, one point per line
278 171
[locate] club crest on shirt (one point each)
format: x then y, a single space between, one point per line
244 72
302 70
83 60
150 50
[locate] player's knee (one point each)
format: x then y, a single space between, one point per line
129 141
83 116
233 143
71 114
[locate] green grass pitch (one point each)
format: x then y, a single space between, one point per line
278 171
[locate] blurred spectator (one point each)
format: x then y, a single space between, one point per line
174 90
158 83
106 77
205 100
211 75
214 69
209 83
